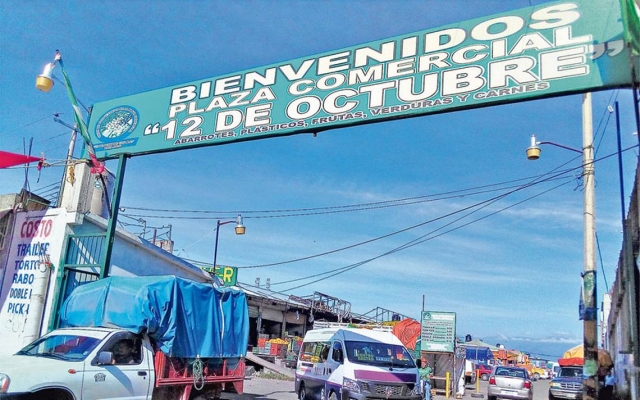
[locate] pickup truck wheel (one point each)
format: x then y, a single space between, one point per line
333 396
52 395
491 397
552 397
484 377
302 393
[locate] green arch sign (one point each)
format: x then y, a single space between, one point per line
548 50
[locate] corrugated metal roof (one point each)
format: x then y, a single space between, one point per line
271 295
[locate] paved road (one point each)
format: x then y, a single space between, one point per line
273 389
540 391
265 389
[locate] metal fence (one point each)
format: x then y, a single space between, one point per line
82 258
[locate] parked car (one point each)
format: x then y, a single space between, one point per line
509 383
484 370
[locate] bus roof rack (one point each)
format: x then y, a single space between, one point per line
375 327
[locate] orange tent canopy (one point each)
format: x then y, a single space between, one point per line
574 352
604 358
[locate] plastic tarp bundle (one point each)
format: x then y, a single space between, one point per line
185 318
408 331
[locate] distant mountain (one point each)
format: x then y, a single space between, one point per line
550 348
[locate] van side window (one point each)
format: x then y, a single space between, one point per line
324 353
337 353
314 352
307 351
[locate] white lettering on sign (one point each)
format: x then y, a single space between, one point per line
495 30
443 81
471 64
563 63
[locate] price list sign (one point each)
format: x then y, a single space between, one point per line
438 331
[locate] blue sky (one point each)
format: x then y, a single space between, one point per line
509 270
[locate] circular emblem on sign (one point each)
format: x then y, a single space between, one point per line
116 124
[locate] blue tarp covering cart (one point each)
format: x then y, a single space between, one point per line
185 318
478 354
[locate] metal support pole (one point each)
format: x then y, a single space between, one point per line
111 226
619 141
589 282
632 269
72 145
215 250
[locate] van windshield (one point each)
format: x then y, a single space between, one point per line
378 354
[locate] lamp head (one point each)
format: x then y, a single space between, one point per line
44 81
240 229
533 152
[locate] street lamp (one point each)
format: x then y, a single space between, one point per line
240 230
533 152
44 82
589 287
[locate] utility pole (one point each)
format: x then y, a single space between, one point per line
589 283
72 145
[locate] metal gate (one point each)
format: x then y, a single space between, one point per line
81 265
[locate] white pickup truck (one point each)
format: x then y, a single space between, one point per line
103 363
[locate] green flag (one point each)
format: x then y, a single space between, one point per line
98 167
630 10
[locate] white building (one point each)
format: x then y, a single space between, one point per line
46 252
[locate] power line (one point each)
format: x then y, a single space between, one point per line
420 240
334 209
424 238
416 241
24 126
557 174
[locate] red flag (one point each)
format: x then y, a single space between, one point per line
10 159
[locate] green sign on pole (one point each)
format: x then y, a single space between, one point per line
227 275
540 51
438 331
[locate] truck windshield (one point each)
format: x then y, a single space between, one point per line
65 347
378 354
570 372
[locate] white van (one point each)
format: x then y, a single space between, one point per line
355 363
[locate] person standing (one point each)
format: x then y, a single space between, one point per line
609 384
